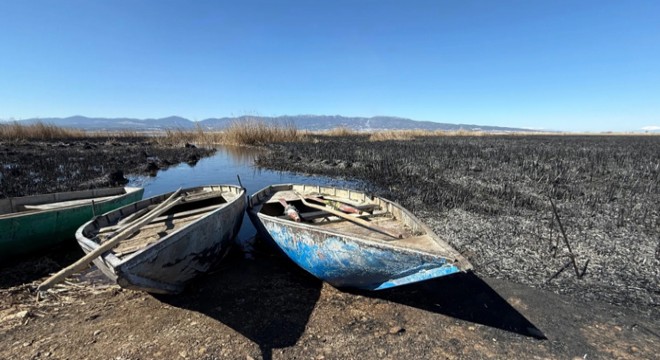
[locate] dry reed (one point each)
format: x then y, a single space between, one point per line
339 131
39 131
246 132
257 132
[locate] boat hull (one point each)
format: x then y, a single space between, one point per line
32 232
348 262
167 265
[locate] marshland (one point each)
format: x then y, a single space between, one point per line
563 232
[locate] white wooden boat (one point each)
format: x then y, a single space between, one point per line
185 241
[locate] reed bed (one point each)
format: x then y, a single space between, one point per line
386 135
338 131
182 136
15 131
412 134
248 133
257 132
251 132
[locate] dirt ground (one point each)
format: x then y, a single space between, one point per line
266 307
263 306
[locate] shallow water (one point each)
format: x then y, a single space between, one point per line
223 168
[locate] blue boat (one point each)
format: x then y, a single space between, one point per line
350 239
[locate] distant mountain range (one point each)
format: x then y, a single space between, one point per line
302 122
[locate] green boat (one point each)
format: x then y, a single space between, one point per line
32 223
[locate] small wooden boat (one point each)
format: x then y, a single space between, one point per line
188 239
386 247
32 223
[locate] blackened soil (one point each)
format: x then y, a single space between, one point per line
29 168
490 197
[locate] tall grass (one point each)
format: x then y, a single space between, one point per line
198 136
398 135
258 132
339 131
39 131
244 132
251 132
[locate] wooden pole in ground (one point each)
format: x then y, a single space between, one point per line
123 233
563 233
351 218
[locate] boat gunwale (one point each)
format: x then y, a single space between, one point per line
128 190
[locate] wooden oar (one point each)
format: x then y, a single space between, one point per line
351 218
124 233
350 202
337 205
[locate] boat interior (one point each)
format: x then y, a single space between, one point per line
379 215
196 205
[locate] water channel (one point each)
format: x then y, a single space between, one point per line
223 168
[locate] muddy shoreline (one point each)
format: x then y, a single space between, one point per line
265 307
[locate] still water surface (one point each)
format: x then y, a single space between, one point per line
223 168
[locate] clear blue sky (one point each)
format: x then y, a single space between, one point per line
564 65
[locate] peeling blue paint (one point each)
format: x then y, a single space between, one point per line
350 262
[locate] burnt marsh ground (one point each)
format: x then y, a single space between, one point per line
34 167
492 198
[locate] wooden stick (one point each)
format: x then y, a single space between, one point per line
157 209
163 222
563 233
135 215
336 204
351 218
125 232
568 263
351 202
164 218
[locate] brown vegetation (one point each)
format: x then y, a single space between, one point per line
412 134
250 132
16 132
256 132
338 131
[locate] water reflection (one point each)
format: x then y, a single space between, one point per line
240 154
223 168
